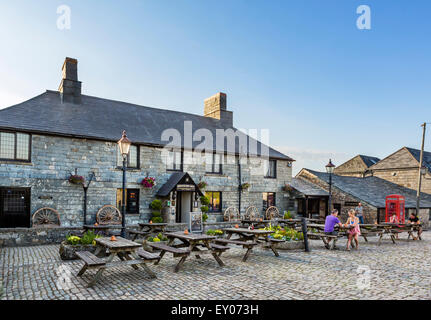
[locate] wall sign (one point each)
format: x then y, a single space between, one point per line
185 187
196 222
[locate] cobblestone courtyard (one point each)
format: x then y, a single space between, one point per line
401 271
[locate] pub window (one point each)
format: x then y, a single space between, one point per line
215 201
213 163
174 161
268 199
132 200
15 146
269 168
132 157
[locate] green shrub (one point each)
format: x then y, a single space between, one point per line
205 200
288 215
73 240
156 205
157 219
204 209
157 214
88 237
204 217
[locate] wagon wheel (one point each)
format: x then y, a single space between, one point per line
46 217
272 213
231 214
108 215
252 213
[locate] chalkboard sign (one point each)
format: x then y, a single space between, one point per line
196 222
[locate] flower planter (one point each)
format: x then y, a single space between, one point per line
290 245
67 251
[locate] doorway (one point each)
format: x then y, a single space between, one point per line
184 206
14 207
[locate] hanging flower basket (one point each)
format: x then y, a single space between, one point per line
202 185
245 186
148 182
75 179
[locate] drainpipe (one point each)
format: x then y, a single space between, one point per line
239 184
85 196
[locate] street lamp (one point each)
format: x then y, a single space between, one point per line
124 144
330 169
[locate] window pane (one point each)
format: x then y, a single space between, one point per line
170 160
272 164
265 168
217 163
22 146
178 160
7 145
216 201
208 162
133 157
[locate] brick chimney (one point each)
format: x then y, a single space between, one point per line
215 107
70 87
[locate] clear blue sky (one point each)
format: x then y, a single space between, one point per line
298 67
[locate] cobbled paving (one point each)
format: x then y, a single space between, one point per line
388 271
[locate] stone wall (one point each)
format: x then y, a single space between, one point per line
55 158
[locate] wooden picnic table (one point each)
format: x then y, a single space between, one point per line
291 223
101 229
248 239
396 228
256 223
148 229
129 253
199 244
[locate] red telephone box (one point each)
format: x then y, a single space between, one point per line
395 204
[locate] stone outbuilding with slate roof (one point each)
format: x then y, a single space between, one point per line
402 166
45 140
347 192
358 166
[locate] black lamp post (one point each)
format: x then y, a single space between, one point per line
124 144
330 169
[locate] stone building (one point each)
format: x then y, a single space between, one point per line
358 166
45 140
347 192
402 168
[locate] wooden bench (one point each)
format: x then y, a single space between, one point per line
90 262
178 252
325 238
147 256
218 247
137 233
245 244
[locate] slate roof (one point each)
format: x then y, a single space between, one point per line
98 118
172 182
307 188
369 161
373 190
426 159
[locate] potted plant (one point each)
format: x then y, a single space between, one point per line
148 182
73 243
215 232
287 215
156 205
160 238
292 239
76 179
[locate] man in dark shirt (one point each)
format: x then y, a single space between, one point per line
413 219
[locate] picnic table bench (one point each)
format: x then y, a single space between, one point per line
197 244
128 252
147 229
248 239
103 229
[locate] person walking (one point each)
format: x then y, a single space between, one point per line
359 210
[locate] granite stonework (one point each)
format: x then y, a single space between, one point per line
54 159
